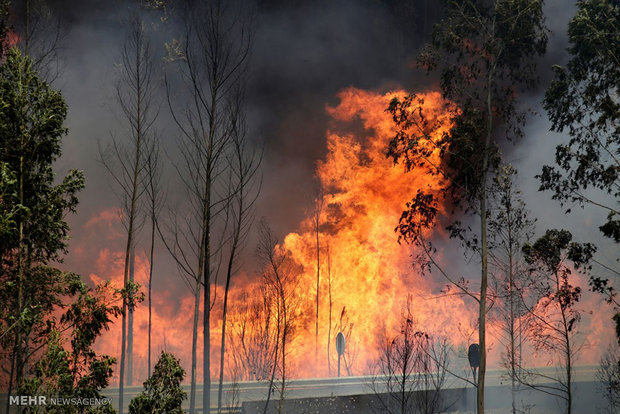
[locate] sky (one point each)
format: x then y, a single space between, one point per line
304 53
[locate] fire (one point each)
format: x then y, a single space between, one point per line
370 274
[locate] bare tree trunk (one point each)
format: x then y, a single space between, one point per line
134 93
329 330
246 167
511 293
132 266
192 392
151 257
275 360
484 252
318 206
154 206
212 59
223 338
511 298
284 335
206 355
567 349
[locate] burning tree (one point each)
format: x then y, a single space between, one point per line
252 336
484 51
279 278
412 370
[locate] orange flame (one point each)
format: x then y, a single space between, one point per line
370 273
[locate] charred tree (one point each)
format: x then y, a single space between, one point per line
154 204
411 370
244 161
317 208
211 56
125 162
280 278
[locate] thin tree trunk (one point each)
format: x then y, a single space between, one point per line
206 322
206 354
275 359
484 251
511 293
152 255
318 278
132 215
132 266
512 334
329 330
284 335
225 306
482 313
568 356
192 392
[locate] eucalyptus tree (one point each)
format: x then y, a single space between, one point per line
154 204
583 101
485 52
244 160
212 57
126 161
554 318
34 206
510 229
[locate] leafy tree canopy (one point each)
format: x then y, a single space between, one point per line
484 53
162 392
33 206
584 100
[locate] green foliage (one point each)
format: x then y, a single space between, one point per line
76 372
162 392
31 127
484 52
583 100
548 257
4 25
33 206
